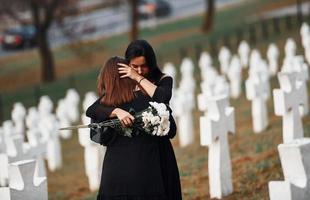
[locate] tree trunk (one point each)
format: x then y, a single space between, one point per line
299 12
47 61
134 19
208 16
42 24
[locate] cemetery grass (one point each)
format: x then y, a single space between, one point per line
255 160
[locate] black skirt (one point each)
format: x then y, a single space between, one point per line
143 167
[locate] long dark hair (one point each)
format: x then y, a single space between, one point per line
116 90
142 48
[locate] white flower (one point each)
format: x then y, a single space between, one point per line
161 108
154 132
165 125
155 120
146 118
160 131
166 128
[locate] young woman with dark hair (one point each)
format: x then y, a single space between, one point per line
141 67
142 53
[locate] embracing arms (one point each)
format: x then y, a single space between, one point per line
162 94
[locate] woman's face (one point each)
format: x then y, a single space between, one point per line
139 65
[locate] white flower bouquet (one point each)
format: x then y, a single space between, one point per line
154 120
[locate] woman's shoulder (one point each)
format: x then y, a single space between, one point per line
165 79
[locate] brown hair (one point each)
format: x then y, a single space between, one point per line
116 90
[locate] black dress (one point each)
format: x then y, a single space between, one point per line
139 168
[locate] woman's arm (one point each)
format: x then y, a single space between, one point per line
100 112
127 71
161 92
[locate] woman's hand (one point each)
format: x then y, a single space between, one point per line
125 117
127 71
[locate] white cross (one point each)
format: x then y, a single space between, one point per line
257 91
302 78
2 141
295 161
214 129
272 55
287 99
23 184
234 75
224 58
244 51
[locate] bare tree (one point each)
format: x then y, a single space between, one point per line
208 16
43 13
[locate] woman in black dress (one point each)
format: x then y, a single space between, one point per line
141 59
132 166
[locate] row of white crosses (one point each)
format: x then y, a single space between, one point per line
48 126
258 90
21 178
291 102
14 148
67 111
43 142
93 153
212 83
217 120
245 54
295 150
257 84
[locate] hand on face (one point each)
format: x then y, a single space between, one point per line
135 70
127 71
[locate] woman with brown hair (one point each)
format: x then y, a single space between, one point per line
132 167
